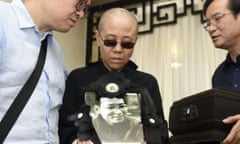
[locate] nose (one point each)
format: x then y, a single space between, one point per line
118 48
211 28
88 2
80 14
117 111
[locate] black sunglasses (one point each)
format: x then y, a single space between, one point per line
113 43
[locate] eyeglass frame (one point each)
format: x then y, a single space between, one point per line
216 19
116 42
82 6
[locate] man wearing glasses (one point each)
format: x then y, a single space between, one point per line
23 25
223 26
116 37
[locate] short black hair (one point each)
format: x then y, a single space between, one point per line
233 5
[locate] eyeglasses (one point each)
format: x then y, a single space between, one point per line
82 6
214 20
113 43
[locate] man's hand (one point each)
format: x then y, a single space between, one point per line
234 136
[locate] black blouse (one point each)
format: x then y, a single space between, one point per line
74 95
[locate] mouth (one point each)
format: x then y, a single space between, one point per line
215 38
73 22
116 60
117 118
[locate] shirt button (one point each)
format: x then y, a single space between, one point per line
235 85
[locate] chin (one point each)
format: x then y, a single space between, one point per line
116 67
63 29
218 45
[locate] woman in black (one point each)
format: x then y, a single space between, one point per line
116 37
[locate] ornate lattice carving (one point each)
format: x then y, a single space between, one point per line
150 14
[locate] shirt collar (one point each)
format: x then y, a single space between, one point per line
238 59
24 18
228 62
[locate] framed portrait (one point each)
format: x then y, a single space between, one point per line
116 120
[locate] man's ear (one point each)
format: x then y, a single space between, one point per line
98 38
95 111
97 108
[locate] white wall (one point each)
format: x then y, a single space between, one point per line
73 45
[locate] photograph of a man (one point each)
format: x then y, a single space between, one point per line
113 123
